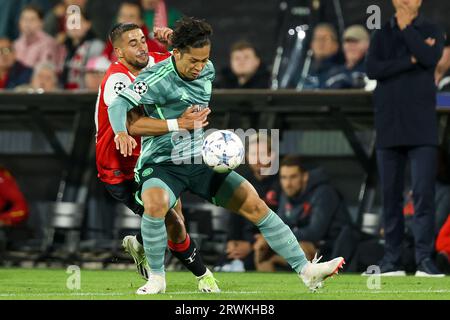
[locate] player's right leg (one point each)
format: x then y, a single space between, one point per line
157 199
238 195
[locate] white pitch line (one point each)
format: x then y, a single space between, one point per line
75 294
391 291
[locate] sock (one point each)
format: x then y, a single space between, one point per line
154 235
139 238
188 255
281 239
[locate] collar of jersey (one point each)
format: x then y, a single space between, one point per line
129 72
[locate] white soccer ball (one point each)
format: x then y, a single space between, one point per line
222 150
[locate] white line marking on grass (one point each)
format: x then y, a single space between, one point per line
60 294
391 291
106 294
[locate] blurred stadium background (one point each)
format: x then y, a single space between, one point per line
47 139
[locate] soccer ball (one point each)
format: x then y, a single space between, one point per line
223 151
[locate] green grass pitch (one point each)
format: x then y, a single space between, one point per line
46 284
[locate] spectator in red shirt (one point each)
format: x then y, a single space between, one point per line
13 207
443 239
131 12
12 72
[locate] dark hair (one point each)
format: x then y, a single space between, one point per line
292 161
191 33
330 28
242 45
119 29
35 8
133 3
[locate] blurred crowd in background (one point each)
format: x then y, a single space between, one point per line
38 53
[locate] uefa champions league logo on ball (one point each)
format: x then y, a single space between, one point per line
225 150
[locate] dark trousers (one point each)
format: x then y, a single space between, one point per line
124 193
391 165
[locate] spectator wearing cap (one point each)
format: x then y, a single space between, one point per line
402 58
12 72
131 12
95 71
351 75
34 46
246 70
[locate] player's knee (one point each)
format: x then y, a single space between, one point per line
254 209
155 208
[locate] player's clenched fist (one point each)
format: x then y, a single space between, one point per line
125 143
193 119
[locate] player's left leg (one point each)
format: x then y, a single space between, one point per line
238 195
132 244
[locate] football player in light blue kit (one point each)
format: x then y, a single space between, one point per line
167 165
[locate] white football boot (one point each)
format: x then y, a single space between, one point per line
155 284
314 273
207 283
137 252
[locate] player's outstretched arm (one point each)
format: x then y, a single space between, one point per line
117 113
139 125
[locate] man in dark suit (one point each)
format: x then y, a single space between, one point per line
402 58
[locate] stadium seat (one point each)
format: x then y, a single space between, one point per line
66 219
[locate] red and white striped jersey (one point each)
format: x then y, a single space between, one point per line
112 167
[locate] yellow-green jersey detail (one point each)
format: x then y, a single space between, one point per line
164 94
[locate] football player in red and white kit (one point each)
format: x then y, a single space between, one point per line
116 170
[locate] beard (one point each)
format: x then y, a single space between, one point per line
139 65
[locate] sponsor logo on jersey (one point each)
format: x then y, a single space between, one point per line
147 172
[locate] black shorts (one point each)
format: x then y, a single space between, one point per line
124 193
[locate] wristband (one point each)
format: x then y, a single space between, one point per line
172 125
